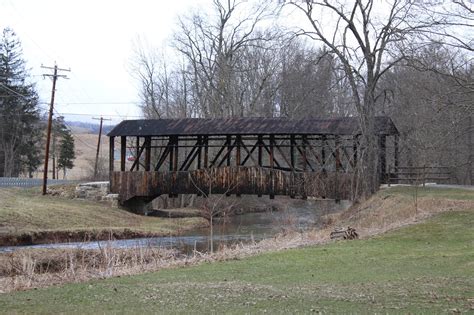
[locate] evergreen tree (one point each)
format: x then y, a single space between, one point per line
66 152
20 130
59 130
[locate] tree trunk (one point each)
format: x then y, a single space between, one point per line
211 232
9 163
368 171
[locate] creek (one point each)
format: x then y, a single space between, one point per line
298 215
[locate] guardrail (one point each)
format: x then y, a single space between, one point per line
419 175
29 182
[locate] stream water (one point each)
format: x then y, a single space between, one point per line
299 215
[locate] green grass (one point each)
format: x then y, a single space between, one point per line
26 210
426 268
431 192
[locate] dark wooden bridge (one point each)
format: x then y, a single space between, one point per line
260 156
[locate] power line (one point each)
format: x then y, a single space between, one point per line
75 134
13 91
99 103
105 115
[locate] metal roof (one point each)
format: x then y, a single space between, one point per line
247 126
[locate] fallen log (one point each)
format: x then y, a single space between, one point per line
344 234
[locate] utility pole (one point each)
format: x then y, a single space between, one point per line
98 144
55 76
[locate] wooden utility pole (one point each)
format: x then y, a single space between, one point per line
98 145
55 76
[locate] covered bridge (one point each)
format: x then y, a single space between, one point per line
261 156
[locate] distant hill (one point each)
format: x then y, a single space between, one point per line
84 127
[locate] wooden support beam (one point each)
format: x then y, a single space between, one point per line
123 152
395 153
249 153
193 157
137 155
337 153
163 156
111 156
238 144
260 156
312 150
323 153
229 148
275 161
147 153
171 153
382 157
175 157
226 157
305 161
303 153
292 151
206 151
188 160
348 158
271 156
199 157
284 157
216 157
272 174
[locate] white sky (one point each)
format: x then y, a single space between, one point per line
94 39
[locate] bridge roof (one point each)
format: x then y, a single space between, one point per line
247 126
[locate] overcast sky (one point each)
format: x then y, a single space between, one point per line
94 39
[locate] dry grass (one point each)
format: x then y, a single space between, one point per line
27 212
383 212
27 269
393 208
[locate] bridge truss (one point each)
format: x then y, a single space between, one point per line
262 156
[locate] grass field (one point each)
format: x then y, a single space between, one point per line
431 192
424 268
24 211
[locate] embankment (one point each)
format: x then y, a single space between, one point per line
27 217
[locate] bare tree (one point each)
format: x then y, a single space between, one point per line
215 48
214 204
368 40
158 81
306 81
432 112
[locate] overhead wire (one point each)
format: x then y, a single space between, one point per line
13 91
70 129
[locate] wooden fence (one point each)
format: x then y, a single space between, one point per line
419 175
